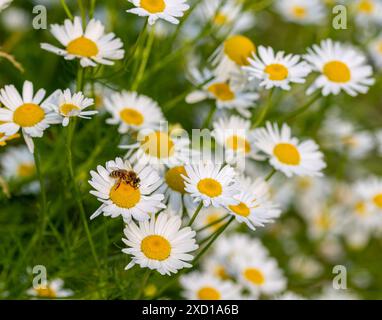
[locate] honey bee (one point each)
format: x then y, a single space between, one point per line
126 176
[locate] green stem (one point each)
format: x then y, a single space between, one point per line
212 223
143 284
200 206
37 160
305 107
270 175
92 8
76 190
208 119
83 13
140 38
66 9
80 78
213 239
145 57
264 111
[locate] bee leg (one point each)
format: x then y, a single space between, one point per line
118 185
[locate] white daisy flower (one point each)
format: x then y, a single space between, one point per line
302 11
18 163
5 138
232 55
342 136
132 111
50 290
226 94
120 198
255 208
375 50
367 12
4 4
160 244
276 69
260 275
27 112
341 67
369 195
168 10
225 15
234 134
173 188
211 183
68 106
160 147
91 46
201 286
286 153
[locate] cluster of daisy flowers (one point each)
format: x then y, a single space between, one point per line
175 199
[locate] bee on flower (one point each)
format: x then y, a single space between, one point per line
160 244
341 68
169 10
127 190
27 112
87 43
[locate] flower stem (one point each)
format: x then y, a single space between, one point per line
270 175
200 206
92 8
212 223
143 284
66 9
83 13
264 111
213 239
306 106
76 190
207 120
145 57
43 212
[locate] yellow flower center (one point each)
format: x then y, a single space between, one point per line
132 117
276 72
156 247
238 143
45 292
337 71
26 170
209 293
241 209
221 91
323 221
299 12
360 208
254 275
153 6
379 47
67 108
210 187
158 144
239 48
220 19
378 200
124 195
83 47
366 6
174 179
28 115
287 153
221 273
